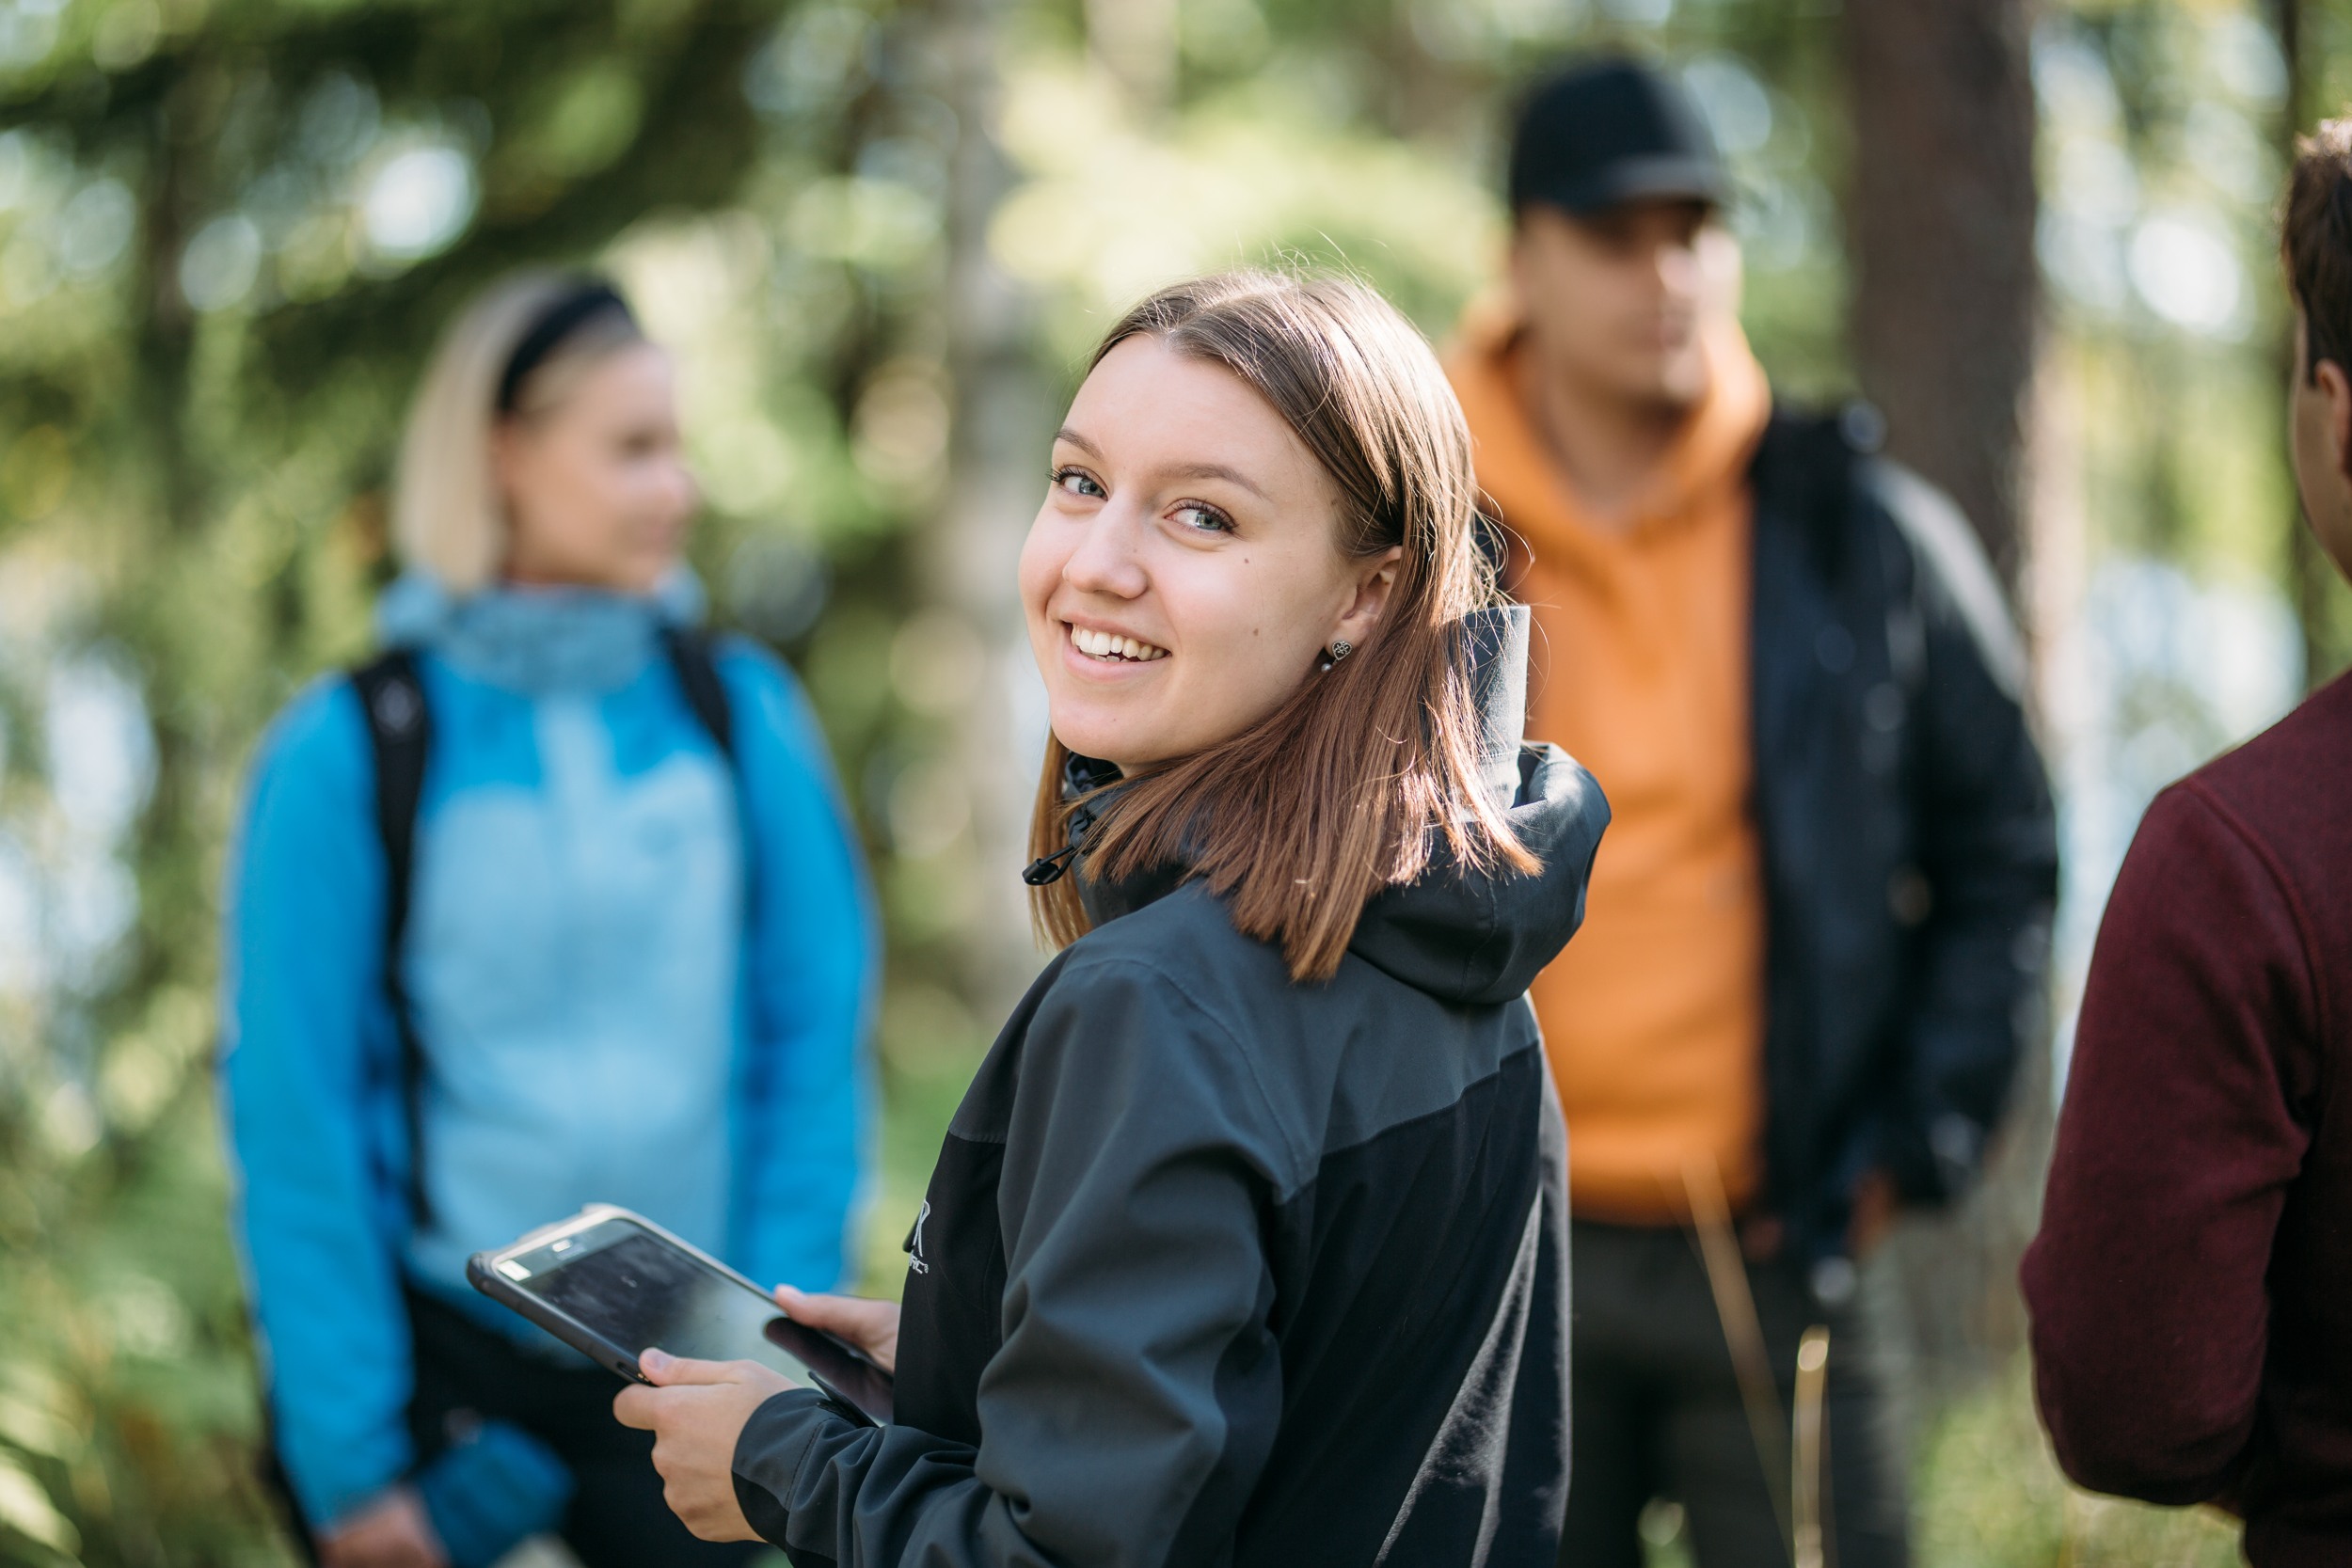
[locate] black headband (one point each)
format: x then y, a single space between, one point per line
593 297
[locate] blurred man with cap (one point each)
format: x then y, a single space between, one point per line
1815 938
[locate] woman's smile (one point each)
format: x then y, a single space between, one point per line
1103 651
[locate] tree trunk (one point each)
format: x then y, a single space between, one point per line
1944 325
996 457
1945 315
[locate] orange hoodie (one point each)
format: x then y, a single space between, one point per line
1654 1016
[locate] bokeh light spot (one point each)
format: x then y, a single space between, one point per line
418 201
126 35
1737 108
29 31
2184 266
95 226
218 268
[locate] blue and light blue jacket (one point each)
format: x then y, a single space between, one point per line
602 1018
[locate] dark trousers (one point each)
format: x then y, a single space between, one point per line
467 1374
1657 1413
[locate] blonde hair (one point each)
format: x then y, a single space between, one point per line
448 518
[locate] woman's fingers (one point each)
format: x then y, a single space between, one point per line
696 1413
871 1326
646 1408
818 1311
665 1371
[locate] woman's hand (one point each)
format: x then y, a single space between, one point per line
872 1326
390 1532
696 1411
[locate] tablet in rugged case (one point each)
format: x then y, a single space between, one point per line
609 1283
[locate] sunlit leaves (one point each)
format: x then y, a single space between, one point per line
227 235
26 1509
1114 208
2160 174
879 223
579 125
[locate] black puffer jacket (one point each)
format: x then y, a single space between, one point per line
1910 850
1216 1268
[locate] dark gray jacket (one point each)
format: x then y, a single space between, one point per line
1910 850
1216 1268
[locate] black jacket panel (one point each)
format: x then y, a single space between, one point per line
1216 1268
1908 844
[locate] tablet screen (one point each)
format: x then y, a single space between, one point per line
634 1288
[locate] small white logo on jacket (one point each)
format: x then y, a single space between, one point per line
915 1243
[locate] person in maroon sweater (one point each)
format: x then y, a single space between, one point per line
2191 1288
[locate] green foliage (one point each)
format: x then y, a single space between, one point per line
1369 135
228 234
2164 152
1987 1493
1990 1495
126 1411
229 229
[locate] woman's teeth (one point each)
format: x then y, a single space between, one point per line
1102 644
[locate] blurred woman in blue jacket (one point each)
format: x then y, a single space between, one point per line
629 961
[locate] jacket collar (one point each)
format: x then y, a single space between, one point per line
539 640
1092 785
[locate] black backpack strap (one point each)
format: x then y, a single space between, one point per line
699 674
1803 474
400 732
697 668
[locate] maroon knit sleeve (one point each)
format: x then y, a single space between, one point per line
2175 1146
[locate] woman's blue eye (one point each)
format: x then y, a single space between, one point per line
1079 483
1208 520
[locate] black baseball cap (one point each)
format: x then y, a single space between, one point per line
1610 131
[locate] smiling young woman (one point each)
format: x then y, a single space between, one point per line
1248 1243
1292 779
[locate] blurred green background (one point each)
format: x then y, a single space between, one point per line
879 237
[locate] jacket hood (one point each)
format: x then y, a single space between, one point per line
1704 464
539 639
1480 935
1475 935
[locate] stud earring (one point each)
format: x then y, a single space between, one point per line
1341 648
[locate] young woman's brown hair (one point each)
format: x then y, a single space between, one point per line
1356 781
